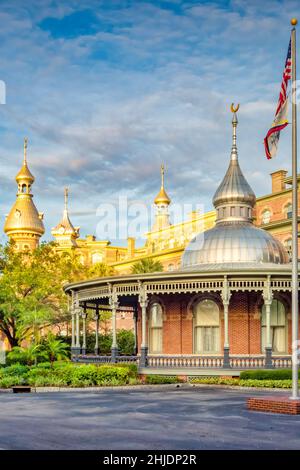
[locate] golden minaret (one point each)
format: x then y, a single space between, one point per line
24 224
162 202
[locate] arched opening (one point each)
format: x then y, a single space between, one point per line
278 327
206 327
155 328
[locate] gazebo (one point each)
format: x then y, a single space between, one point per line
228 308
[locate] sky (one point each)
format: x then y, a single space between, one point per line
107 90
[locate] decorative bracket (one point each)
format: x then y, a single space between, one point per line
143 296
226 292
267 291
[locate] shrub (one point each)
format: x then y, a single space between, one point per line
48 380
12 380
43 365
267 374
83 375
266 383
133 368
14 370
161 379
112 375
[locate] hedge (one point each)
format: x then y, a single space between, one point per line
161 379
267 374
68 374
265 383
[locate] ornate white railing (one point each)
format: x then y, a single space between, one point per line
282 362
256 362
90 358
200 362
185 361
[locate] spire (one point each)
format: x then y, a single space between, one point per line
162 172
65 232
25 151
234 153
66 199
234 198
162 197
25 178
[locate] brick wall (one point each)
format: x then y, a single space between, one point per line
244 323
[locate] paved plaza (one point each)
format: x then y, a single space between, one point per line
178 418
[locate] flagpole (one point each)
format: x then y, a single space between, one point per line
295 308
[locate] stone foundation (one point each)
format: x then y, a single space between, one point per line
277 404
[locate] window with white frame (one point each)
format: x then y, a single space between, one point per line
206 327
97 258
289 210
266 216
155 328
278 327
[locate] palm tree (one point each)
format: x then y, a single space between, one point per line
29 355
146 265
100 270
55 349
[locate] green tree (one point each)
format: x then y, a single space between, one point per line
31 293
125 339
55 349
146 265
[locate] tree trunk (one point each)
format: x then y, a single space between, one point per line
11 337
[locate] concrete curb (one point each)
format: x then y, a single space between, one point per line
104 388
147 387
238 387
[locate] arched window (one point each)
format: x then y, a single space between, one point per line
278 327
171 267
206 327
155 328
266 216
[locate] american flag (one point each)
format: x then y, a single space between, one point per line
280 120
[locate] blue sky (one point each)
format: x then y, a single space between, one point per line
107 90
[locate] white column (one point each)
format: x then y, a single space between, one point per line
143 301
226 294
268 298
97 331
83 315
114 305
226 337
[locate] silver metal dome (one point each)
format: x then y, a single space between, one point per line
234 187
234 239
234 243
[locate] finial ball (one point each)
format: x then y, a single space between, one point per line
294 21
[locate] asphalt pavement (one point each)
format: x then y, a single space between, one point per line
168 419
